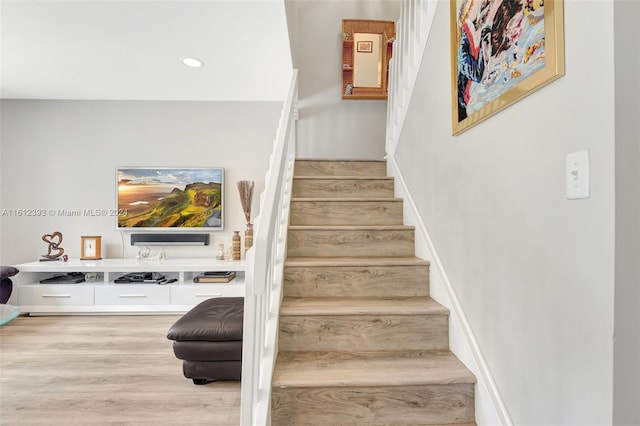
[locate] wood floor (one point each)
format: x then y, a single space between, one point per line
103 370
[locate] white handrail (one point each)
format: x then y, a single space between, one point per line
264 268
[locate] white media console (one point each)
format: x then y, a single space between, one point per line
105 296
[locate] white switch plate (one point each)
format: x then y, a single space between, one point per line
577 175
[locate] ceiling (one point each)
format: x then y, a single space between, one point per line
132 49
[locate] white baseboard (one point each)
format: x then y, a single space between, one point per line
490 408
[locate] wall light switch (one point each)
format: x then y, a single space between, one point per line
577 175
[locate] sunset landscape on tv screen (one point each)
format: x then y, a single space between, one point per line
175 198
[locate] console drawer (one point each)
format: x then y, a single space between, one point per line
128 294
192 294
55 295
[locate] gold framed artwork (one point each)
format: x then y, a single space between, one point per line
501 51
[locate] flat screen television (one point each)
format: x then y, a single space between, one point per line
168 198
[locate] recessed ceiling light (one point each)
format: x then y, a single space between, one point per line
192 62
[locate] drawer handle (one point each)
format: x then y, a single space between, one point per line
60 296
132 295
208 295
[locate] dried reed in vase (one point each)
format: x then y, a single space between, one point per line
245 188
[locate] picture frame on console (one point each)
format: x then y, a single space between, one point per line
176 199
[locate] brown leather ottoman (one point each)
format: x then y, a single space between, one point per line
208 339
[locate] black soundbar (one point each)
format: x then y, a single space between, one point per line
162 239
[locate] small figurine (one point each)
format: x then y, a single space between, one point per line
220 255
147 255
143 253
54 240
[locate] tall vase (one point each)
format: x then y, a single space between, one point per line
235 246
248 237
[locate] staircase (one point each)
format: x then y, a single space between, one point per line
360 340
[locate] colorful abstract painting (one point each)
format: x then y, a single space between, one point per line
501 51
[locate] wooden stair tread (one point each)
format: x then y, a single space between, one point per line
307 306
335 369
340 168
310 261
349 199
338 160
350 177
354 177
351 227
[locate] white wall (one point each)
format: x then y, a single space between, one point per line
329 127
63 155
533 271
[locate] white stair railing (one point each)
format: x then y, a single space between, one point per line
264 268
412 33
